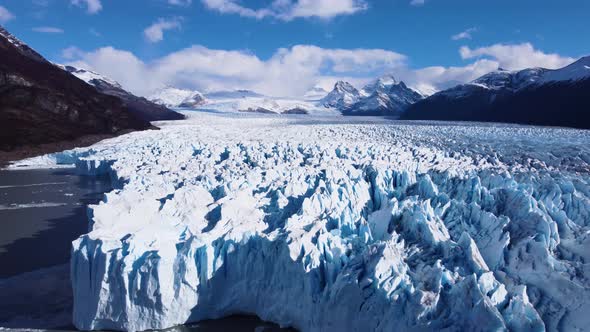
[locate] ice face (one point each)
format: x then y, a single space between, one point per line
333 226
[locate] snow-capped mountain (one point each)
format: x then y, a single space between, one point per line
577 71
140 106
530 96
381 84
505 80
384 96
89 76
178 98
342 96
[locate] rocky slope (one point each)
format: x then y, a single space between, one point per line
139 106
40 103
532 96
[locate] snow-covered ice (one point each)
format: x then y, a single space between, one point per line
336 224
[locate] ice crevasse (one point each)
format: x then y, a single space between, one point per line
332 228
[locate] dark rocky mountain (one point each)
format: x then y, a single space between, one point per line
139 106
564 103
41 103
534 96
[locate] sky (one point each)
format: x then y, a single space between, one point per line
286 47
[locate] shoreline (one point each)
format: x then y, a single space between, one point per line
29 151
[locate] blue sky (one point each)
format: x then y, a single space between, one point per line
430 43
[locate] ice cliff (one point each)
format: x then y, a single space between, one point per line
337 226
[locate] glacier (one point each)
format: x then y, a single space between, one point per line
336 224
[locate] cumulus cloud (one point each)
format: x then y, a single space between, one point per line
5 15
436 78
515 57
290 9
155 32
464 35
289 71
48 30
92 6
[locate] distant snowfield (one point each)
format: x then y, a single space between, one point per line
337 224
277 105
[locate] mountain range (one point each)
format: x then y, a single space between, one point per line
384 96
41 102
535 96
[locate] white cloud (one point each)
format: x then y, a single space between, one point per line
155 32
439 77
5 15
464 35
290 9
324 8
48 30
183 3
291 71
519 56
417 2
92 6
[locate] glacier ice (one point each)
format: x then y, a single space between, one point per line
337 225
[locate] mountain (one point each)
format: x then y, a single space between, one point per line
342 96
382 84
178 98
535 96
384 96
315 93
141 107
41 103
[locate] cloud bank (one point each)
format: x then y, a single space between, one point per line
293 71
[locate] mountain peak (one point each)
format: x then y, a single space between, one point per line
387 79
343 86
382 84
343 95
22 47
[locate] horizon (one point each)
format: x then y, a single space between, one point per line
194 44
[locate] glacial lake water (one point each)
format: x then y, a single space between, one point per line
41 213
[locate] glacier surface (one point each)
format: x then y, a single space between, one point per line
333 224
